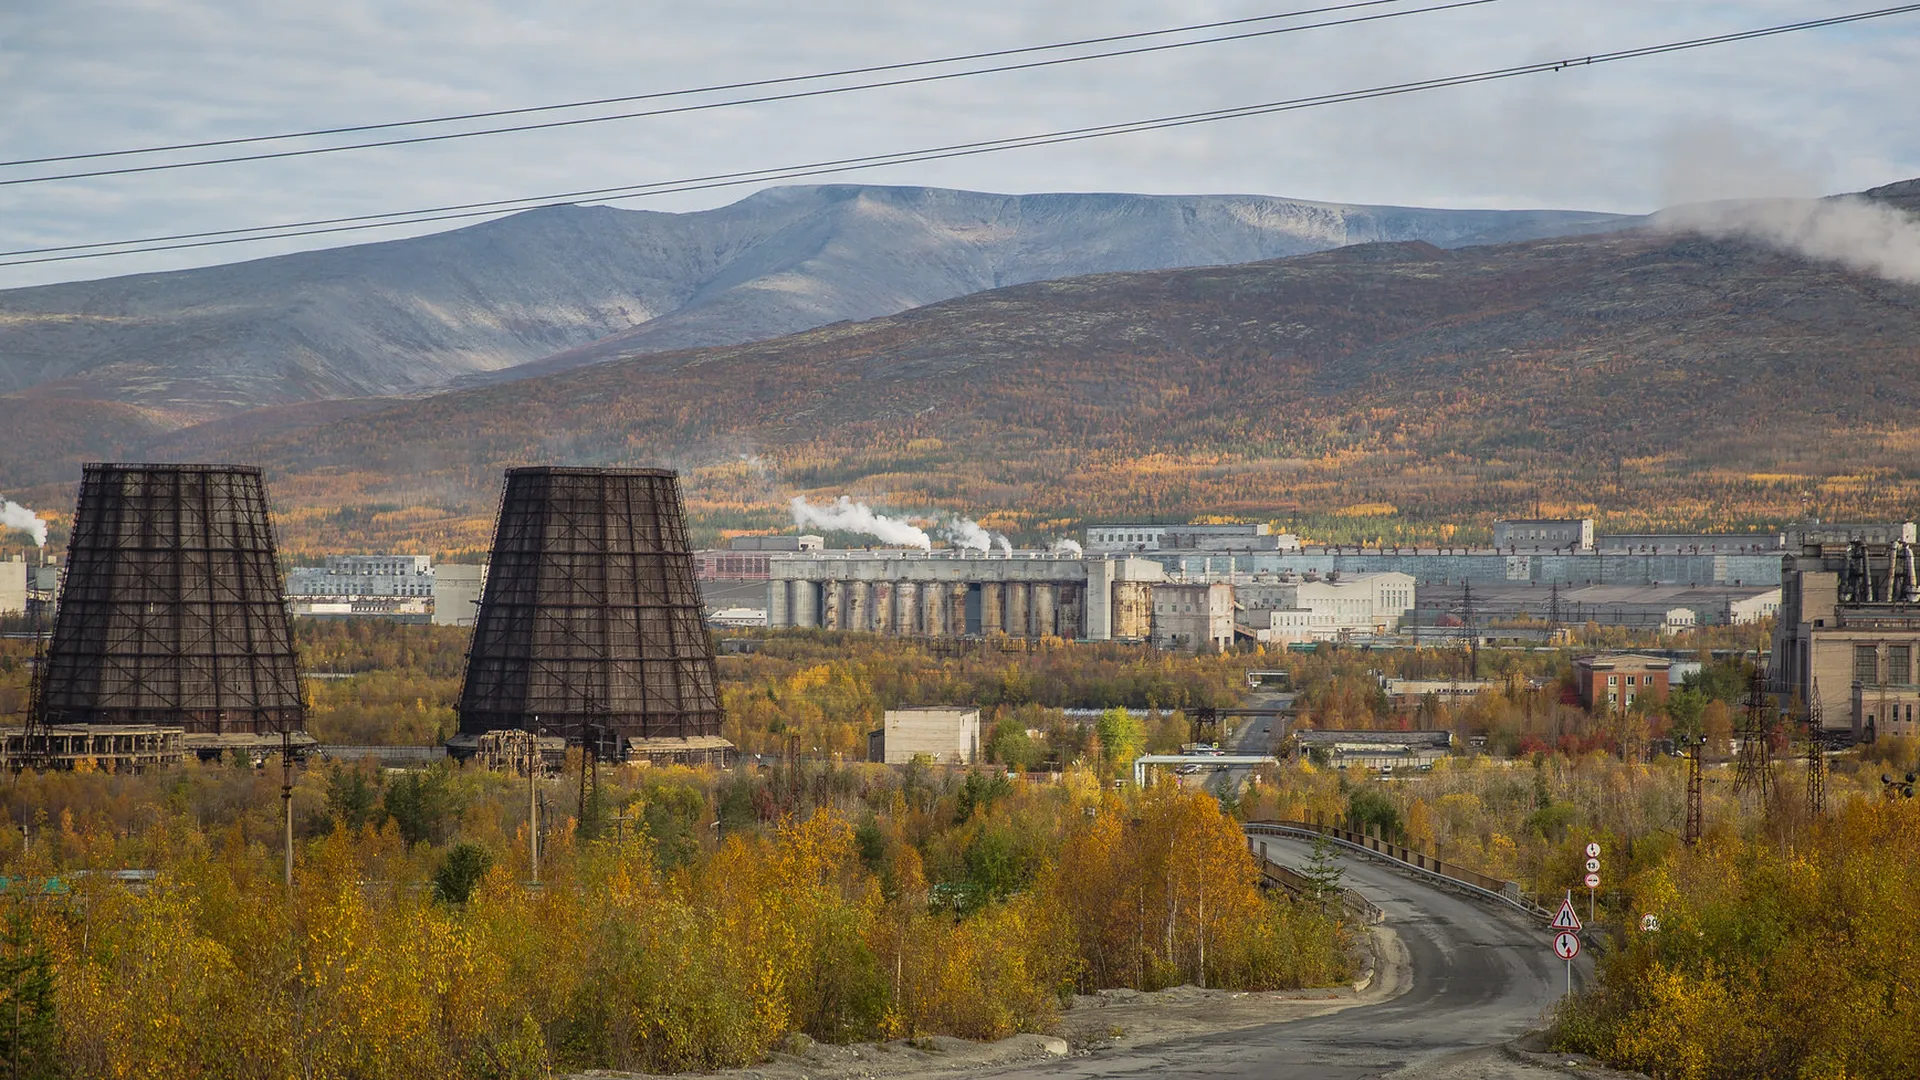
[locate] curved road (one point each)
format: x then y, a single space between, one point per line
1481 976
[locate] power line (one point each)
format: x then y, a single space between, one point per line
414 140
690 91
220 237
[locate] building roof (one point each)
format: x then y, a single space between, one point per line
1612 661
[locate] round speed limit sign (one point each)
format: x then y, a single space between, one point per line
1593 866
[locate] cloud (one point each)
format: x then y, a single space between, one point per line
84 75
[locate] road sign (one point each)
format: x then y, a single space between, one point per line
1650 923
1593 851
1593 866
1566 919
1593 881
1566 945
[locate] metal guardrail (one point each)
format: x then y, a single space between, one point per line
1295 882
1305 831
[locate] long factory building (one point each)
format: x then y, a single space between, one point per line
1029 595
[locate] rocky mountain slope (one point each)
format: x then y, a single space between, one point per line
1663 380
410 315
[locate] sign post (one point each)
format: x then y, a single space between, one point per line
1593 875
1566 937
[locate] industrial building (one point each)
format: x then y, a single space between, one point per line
940 735
957 594
364 575
1374 749
1229 537
1616 680
1189 617
747 558
1281 610
1849 628
171 619
1574 534
456 593
13 586
590 623
1670 608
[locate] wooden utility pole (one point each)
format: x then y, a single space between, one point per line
286 795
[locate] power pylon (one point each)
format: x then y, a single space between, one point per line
1816 759
1755 774
1469 624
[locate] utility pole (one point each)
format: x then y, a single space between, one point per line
1470 625
1553 612
1692 834
286 794
1816 758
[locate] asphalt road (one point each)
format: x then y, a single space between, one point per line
1251 735
1480 977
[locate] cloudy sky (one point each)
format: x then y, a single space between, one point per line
1828 110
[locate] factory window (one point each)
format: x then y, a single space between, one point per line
1613 680
1866 664
1900 664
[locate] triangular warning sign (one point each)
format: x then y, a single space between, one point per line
1566 919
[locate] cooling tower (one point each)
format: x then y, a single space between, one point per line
591 626
172 613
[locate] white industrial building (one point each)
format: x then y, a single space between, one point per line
13 586
942 735
355 576
1283 611
456 593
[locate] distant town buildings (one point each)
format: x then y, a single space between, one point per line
1614 681
1374 749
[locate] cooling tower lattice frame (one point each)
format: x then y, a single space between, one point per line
591 624
173 612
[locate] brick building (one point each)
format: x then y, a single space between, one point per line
1615 680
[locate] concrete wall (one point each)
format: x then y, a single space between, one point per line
456 593
1485 567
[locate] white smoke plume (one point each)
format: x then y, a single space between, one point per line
15 516
968 533
845 515
1855 233
1067 547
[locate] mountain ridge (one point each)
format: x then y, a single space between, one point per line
409 316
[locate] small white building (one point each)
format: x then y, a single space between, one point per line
13 586
942 734
456 593
1188 617
1328 610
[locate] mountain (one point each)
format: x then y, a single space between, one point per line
1660 380
407 316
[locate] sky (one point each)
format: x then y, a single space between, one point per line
1817 112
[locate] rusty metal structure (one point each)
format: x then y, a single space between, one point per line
173 612
591 625
1753 777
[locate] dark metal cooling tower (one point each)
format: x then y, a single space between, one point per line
172 613
591 624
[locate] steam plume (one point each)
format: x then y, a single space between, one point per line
1068 547
968 533
1855 233
15 516
845 515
